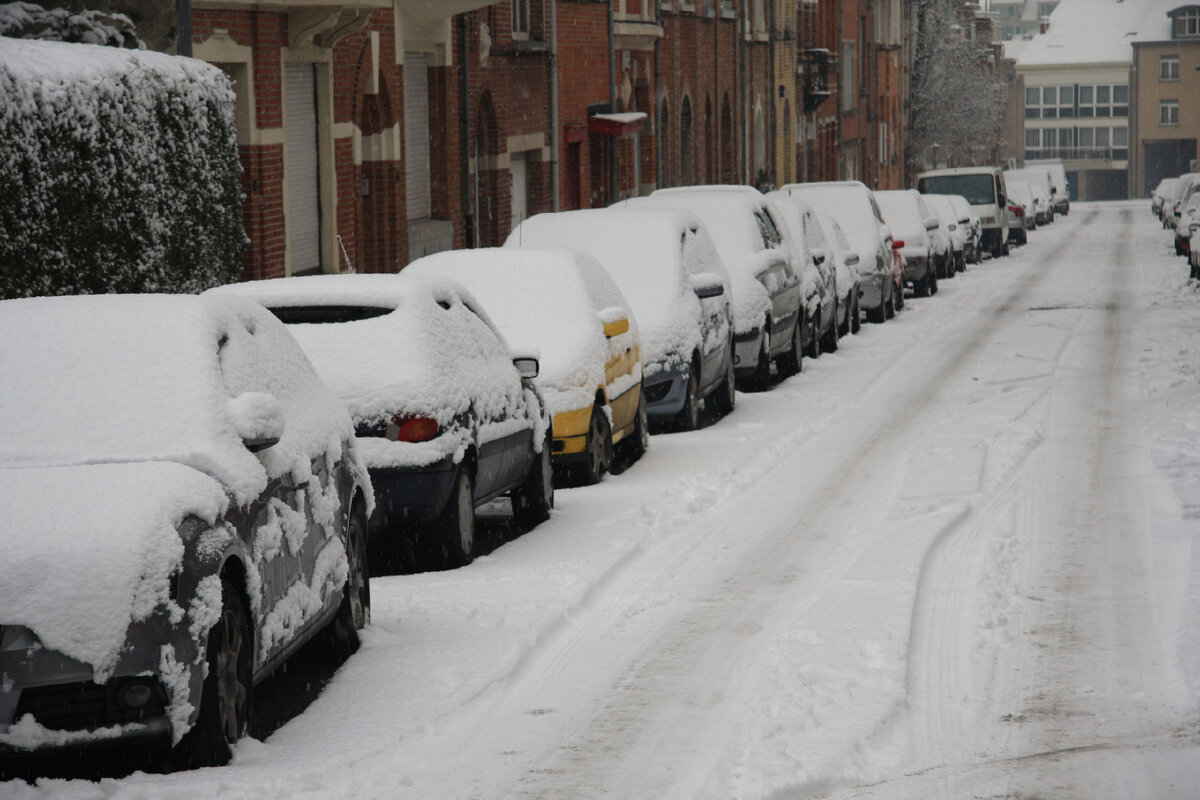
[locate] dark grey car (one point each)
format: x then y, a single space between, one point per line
184 508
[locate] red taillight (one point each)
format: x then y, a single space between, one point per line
1020 212
412 429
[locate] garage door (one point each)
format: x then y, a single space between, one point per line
416 135
303 169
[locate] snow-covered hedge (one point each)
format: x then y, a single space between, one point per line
119 171
31 21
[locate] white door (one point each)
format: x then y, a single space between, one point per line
303 169
416 135
519 169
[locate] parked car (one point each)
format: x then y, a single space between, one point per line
984 188
853 205
912 223
1159 194
968 220
1041 186
447 417
781 299
943 241
184 507
956 230
1193 255
666 266
827 234
566 305
1020 205
1061 194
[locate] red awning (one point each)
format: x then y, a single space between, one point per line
617 124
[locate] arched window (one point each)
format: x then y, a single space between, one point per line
687 174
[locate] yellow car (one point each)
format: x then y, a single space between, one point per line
564 304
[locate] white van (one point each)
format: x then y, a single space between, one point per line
984 189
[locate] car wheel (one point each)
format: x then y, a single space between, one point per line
228 689
843 327
689 416
341 637
889 308
830 343
933 285
814 340
950 269
922 288
455 528
534 498
792 361
725 397
897 300
598 453
634 446
855 314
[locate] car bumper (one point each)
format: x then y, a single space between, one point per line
51 702
411 496
666 391
872 290
746 347
915 266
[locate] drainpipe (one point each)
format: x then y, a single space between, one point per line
555 199
184 10
464 125
773 97
612 99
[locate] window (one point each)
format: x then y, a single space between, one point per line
1168 68
846 89
1049 102
1103 101
1033 139
1120 101
520 19
1187 23
1168 112
1066 101
1033 102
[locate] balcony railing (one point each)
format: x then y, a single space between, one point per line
1078 153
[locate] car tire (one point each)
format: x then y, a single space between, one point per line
830 339
634 446
933 285
889 308
792 362
689 415
533 500
340 640
725 396
598 450
814 339
843 328
454 530
897 300
228 692
855 314
924 287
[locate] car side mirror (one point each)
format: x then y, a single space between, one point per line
258 419
527 366
818 256
931 223
851 259
707 284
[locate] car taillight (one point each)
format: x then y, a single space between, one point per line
1020 212
403 428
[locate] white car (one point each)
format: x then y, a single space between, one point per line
780 297
447 417
827 233
563 303
912 224
666 266
943 206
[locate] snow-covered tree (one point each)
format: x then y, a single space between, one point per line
87 26
956 102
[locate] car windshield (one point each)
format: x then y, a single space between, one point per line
977 188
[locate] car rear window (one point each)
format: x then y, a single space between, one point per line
296 315
977 188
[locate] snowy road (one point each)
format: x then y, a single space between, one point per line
953 559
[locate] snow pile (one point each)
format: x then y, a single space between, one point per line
119 171
433 352
29 21
557 301
651 254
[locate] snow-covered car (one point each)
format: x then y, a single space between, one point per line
826 233
837 257
984 188
1159 194
940 235
853 205
566 305
184 507
911 229
666 266
969 220
1041 185
778 292
941 205
1043 209
447 417
1020 205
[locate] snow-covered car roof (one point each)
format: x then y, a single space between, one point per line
123 378
406 344
849 202
554 299
651 253
902 213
